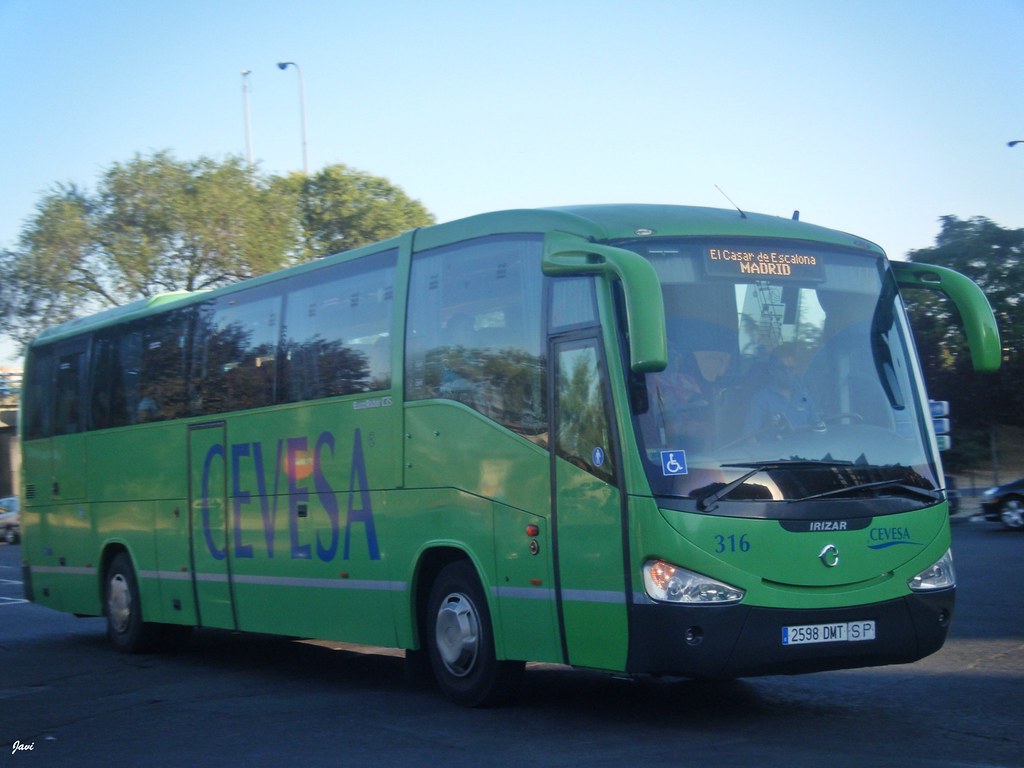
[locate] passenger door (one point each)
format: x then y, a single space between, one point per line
592 581
208 522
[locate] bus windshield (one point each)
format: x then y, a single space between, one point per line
790 377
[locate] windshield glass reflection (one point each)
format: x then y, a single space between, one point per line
789 378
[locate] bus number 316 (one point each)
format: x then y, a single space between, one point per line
732 543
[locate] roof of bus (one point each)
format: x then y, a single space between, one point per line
626 221
593 222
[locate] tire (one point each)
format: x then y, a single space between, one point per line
126 630
1012 513
460 641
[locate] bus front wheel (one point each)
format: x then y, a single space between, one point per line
460 641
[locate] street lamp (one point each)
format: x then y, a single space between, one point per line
248 123
302 106
1014 143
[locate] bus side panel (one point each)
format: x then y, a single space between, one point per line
59 543
70 468
524 588
137 479
308 532
177 598
425 519
36 458
58 529
451 444
129 524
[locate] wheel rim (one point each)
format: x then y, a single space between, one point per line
119 603
457 634
1013 514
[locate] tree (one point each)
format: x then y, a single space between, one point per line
157 224
55 247
994 258
340 208
991 256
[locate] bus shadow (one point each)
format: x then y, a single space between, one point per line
335 671
326 668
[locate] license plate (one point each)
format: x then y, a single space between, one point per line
842 632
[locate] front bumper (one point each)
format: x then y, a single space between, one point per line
745 641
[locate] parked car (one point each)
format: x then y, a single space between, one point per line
10 520
1005 504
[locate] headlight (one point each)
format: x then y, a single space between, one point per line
669 583
939 575
991 492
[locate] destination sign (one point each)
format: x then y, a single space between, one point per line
763 262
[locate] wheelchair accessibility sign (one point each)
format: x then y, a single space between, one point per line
673 463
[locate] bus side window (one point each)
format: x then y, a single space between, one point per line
583 435
160 373
69 383
338 330
37 397
237 352
107 393
572 302
474 330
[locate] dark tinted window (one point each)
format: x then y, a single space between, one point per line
338 330
55 393
37 394
236 351
69 388
139 372
324 333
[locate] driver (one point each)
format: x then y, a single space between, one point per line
783 404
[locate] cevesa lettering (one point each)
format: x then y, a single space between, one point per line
895 533
301 468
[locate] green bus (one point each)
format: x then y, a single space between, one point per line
654 440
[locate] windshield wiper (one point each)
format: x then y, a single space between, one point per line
706 504
911 490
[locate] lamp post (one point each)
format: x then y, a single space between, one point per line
1014 143
248 123
302 106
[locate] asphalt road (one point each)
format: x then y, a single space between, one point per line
242 700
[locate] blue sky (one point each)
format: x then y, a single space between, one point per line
872 117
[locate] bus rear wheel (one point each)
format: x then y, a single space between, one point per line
460 641
123 608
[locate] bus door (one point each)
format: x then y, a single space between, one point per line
591 577
208 523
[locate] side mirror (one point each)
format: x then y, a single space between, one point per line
566 254
975 311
